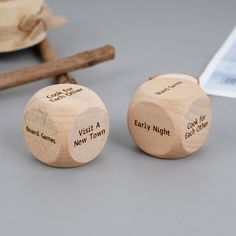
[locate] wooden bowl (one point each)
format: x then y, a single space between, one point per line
24 23
12 12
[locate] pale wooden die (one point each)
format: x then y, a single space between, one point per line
65 125
170 116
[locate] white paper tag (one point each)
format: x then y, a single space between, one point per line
219 77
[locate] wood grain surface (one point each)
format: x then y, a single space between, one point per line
65 125
170 116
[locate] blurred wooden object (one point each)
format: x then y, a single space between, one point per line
24 23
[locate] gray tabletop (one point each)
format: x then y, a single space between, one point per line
124 191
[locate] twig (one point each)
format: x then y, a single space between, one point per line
47 54
56 67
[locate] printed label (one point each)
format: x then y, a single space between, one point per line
41 135
196 126
89 134
168 88
152 128
59 95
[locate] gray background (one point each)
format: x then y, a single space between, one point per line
124 191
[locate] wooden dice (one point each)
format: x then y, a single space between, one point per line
170 116
65 125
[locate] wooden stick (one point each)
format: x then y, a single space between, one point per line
57 67
47 54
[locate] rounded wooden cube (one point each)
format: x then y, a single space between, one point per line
170 116
65 125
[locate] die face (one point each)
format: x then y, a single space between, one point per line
151 128
178 76
61 98
167 88
196 125
173 103
89 135
41 136
53 112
